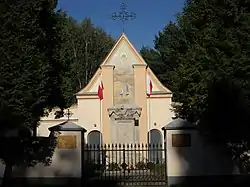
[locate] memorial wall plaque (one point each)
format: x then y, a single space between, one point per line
181 140
66 142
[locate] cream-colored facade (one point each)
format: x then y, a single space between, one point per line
124 76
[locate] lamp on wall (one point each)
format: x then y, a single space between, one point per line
94 125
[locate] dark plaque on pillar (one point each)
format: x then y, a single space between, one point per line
181 140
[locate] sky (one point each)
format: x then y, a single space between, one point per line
151 16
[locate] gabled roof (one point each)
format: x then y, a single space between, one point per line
67 126
123 38
179 124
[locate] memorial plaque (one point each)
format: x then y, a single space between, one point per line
181 140
66 142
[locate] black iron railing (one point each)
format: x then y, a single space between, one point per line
130 164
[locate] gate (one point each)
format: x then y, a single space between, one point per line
130 164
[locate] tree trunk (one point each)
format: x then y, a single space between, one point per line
7 175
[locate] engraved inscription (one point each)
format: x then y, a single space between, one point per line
66 142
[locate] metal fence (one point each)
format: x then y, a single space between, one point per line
130 164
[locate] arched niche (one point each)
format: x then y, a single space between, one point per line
94 138
156 147
93 147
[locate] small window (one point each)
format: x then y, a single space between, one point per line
181 140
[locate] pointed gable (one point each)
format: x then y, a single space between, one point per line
123 49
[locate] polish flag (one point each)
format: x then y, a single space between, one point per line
100 91
149 86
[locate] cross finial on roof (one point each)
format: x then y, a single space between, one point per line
68 114
123 15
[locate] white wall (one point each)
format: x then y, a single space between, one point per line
158 114
89 114
201 159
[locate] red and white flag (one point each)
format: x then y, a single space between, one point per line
149 86
100 91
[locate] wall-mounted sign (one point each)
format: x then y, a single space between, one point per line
181 140
66 142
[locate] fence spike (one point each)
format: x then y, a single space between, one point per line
112 145
123 145
120 145
127 145
108 145
142 145
131 145
116 145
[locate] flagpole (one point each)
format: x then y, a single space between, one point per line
149 90
100 95
149 121
100 122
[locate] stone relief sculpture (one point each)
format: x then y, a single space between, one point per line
127 113
125 91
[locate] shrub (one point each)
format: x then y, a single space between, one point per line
113 167
141 165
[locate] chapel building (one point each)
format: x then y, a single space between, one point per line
124 102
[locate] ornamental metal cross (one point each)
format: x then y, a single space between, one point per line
68 114
123 15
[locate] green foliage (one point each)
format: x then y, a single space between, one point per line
28 151
141 165
82 50
163 60
30 79
114 167
205 56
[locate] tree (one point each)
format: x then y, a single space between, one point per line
83 48
169 47
209 48
30 76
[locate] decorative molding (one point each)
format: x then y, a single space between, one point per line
124 112
107 66
86 93
139 65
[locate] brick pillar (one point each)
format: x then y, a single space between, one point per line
140 98
108 83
